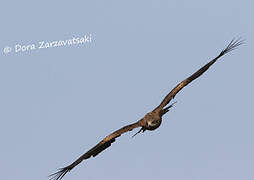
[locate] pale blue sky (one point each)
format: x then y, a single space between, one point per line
56 103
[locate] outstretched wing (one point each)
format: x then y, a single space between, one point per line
105 143
232 45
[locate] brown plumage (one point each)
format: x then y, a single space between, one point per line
151 121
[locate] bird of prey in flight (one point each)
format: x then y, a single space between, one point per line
151 120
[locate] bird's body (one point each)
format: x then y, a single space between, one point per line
151 120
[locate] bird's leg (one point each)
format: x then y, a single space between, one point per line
171 105
142 129
165 110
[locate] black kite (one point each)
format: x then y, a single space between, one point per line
150 121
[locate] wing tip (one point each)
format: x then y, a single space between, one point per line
60 173
234 43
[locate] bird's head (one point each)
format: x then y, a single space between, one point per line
152 120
